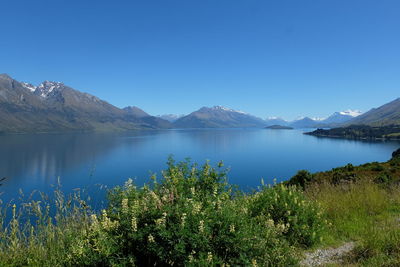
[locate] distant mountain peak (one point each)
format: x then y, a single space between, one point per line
352 113
227 109
5 76
45 88
133 110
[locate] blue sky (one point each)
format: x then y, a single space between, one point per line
269 58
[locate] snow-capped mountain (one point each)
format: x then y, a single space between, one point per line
353 113
227 109
53 106
44 89
342 116
47 87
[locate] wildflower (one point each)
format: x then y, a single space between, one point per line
150 238
135 206
106 222
125 205
215 191
254 262
196 207
270 222
161 221
183 219
201 226
209 257
129 183
190 258
134 224
232 228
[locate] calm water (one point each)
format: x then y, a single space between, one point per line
32 162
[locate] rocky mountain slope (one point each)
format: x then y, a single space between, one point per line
218 117
55 107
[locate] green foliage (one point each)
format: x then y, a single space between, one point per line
301 178
301 220
365 212
191 217
396 154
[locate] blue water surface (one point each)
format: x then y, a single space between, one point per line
38 161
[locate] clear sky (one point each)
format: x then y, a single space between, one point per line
269 58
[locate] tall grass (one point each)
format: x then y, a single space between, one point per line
365 212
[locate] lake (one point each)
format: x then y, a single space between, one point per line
35 162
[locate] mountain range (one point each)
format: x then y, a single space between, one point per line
336 119
388 114
55 107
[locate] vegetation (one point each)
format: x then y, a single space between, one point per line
390 132
279 127
192 216
361 204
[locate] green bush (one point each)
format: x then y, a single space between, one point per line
301 220
301 178
191 217
396 154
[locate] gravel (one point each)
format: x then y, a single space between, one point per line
326 256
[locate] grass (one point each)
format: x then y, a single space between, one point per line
363 211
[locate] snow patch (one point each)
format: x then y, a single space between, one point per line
349 112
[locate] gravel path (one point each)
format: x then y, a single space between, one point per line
324 256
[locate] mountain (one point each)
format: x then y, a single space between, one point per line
305 122
170 117
341 117
276 121
336 119
388 114
218 117
55 107
135 111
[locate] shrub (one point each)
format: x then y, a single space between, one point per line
301 219
396 154
301 178
190 217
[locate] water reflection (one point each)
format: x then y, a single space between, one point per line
36 161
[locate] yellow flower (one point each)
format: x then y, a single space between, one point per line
201 226
125 205
134 224
209 257
270 223
183 219
232 228
150 238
